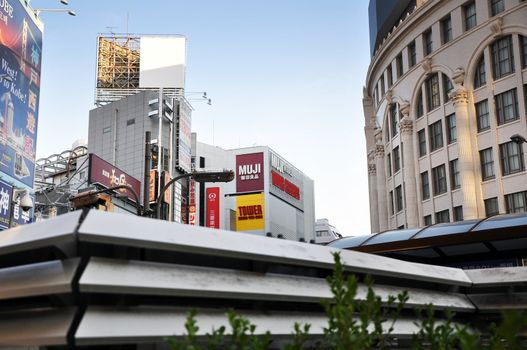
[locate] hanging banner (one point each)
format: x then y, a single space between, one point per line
250 212
20 59
213 207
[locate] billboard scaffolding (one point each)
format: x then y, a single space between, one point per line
119 70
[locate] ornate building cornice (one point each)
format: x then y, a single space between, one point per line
372 170
379 151
459 95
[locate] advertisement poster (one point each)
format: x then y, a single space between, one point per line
106 174
213 207
20 60
250 212
15 213
249 172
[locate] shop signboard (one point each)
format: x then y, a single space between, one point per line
250 212
12 212
249 172
192 202
20 63
213 207
286 181
107 175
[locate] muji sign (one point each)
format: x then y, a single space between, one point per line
249 172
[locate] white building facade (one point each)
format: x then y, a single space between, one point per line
445 91
269 196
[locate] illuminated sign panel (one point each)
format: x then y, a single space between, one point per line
108 175
250 212
20 62
249 172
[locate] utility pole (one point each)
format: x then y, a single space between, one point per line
146 178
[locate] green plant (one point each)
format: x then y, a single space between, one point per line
434 335
375 320
300 337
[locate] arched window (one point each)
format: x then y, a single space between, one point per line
480 77
419 107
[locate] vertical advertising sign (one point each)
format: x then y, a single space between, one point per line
20 61
192 202
249 172
213 207
183 135
250 212
12 212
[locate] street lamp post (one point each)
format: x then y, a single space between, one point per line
89 197
198 176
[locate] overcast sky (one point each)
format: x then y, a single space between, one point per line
283 73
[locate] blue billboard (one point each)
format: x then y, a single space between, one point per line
11 213
20 63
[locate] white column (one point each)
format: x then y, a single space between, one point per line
465 159
382 203
374 207
410 183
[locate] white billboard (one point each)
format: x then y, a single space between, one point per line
162 62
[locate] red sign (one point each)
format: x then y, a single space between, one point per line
285 185
249 172
108 175
213 207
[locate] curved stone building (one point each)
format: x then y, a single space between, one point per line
445 91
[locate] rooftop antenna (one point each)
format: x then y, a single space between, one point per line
110 29
127 15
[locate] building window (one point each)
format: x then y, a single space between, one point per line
432 92
107 130
458 213
469 12
487 164
446 30
451 134
435 132
439 180
515 202
447 87
130 122
511 158
480 78
389 75
428 220
442 216
496 6
523 41
396 160
422 142
389 165
393 119
506 107
383 88
455 182
399 198
425 186
502 57
427 42
420 108
412 55
392 211
399 65
491 207
482 115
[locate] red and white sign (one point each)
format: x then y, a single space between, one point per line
249 172
213 207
